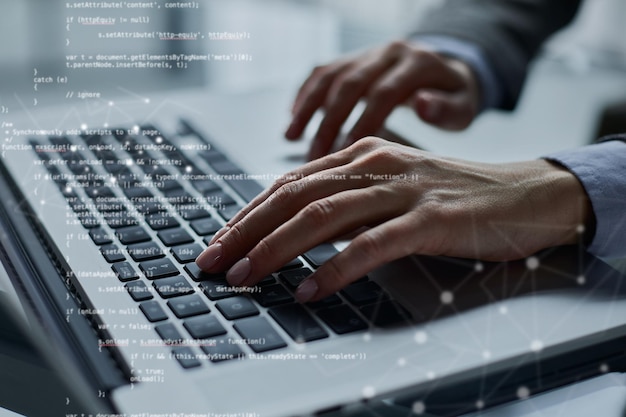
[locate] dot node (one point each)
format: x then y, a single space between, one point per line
532 263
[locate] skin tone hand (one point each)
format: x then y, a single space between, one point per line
410 202
443 91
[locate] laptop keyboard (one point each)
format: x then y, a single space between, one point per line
150 209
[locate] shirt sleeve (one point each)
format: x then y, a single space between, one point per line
601 169
510 33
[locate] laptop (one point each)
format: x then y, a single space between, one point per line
103 213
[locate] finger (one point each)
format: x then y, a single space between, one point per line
392 89
446 110
343 95
331 161
321 220
277 209
366 252
311 97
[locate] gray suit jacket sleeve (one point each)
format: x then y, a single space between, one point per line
510 32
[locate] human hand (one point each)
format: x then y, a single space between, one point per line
410 201
443 91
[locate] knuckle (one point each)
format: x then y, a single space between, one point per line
425 56
264 250
367 143
285 193
383 92
397 45
236 234
382 155
370 244
351 82
334 277
319 213
319 70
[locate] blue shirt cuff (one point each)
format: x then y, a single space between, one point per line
601 169
473 56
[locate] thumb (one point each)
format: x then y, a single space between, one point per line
446 110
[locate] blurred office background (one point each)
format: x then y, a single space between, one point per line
305 31
287 38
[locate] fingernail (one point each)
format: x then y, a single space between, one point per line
239 272
307 289
219 234
209 256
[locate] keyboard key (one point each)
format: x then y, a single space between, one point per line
188 305
217 290
298 323
185 357
167 184
144 251
259 334
179 197
211 155
172 237
205 186
331 300
138 290
100 236
172 287
268 280
342 319
105 205
225 167
149 207
205 227
158 268
246 188
88 220
219 199
103 191
119 219
272 295
112 253
137 193
203 327
386 313
197 274
361 293
186 253
294 277
229 212
133 234
320 254
169 333
294 263
222 349
193 212
236 307
161 221
153 311
124 271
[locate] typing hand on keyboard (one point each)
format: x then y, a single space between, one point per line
412 202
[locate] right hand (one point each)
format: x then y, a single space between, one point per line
396 201
443 91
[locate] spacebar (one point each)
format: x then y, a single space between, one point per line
246 188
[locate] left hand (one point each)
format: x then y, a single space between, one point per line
410 202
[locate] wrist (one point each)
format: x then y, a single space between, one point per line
561 203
